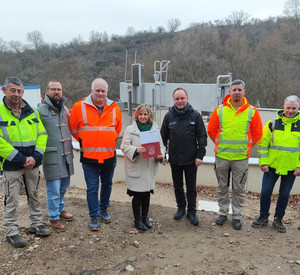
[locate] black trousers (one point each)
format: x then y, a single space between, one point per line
140 204
190 173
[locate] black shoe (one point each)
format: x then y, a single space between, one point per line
193 218
277 224
236 224
261 221
221 219
39 231
16 240
299 227
140 225
147 222
179 214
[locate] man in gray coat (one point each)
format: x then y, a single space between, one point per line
58 158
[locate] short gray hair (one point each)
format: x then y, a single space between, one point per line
93 83
13 80
292 98
238 82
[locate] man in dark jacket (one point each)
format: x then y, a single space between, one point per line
58 158
184 135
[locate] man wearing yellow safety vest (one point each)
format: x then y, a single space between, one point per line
279 156
234 127
95 122
22 144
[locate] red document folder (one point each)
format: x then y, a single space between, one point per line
150 140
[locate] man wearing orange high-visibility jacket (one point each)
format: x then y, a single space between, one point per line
96 122
235 127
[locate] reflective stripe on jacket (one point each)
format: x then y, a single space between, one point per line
20 137
280 146
96 133
234 132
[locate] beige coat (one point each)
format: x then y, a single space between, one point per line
140 172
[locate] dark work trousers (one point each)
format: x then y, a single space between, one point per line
190 173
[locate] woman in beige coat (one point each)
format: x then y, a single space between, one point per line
140 172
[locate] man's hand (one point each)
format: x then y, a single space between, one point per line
264 168
30 162
297 172
165 161
198 162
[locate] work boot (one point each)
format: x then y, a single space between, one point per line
261 221
277 224
193 218
236 224
16 240
147 222
179 214
57 225
39 231
220 220
66 216
139 224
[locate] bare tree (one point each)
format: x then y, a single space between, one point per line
77 41
3 45
15 45
98 37
238 18
36 39
292 9
95 37
130 31
174 24
160 29
105 37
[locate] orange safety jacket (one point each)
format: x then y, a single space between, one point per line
234 132
96 133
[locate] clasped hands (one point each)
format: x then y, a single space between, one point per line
30 163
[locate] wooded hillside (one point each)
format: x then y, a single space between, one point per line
265 54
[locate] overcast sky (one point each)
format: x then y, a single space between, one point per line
60 21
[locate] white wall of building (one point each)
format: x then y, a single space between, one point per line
32 94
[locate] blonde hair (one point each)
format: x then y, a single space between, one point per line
142 107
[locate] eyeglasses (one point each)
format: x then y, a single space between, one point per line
55 89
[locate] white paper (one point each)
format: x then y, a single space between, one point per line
149 136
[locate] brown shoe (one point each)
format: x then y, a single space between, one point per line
57 225
66 216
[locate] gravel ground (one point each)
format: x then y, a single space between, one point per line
170 247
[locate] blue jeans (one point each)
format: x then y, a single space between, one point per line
268 183
92 172
56 190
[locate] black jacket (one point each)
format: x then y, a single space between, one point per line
186 133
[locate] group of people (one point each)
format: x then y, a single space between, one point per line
29 138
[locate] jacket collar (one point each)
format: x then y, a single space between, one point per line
88 100
227 102
136 130
48 101
288 119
